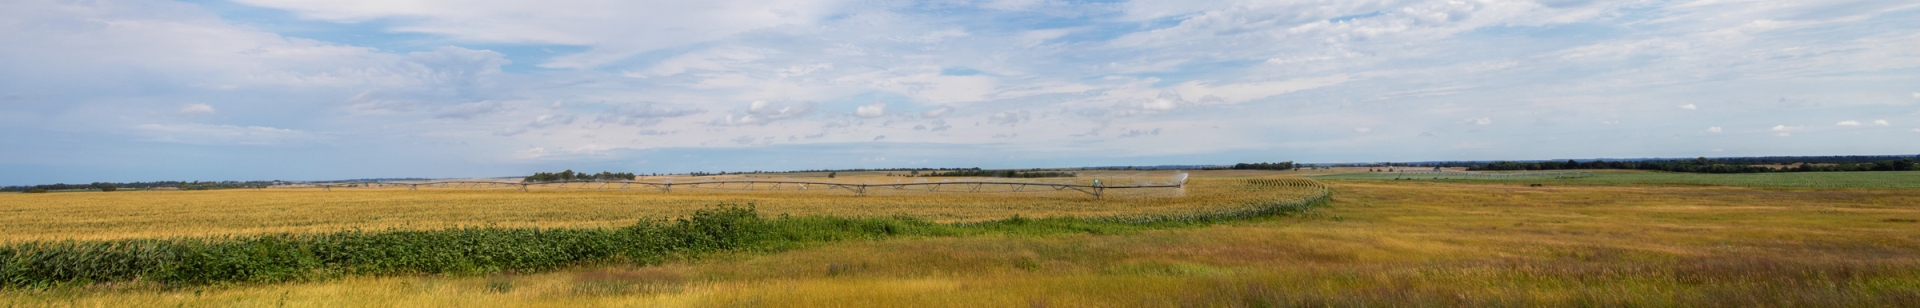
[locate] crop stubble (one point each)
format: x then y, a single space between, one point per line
165 214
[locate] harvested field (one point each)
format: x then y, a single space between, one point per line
161 214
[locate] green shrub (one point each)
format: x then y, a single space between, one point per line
290 257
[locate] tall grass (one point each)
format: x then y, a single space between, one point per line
468 251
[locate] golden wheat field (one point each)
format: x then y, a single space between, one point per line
160 214
1379 243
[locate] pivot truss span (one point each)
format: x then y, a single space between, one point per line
1095 190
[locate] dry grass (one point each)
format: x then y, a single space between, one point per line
1380 244
156 214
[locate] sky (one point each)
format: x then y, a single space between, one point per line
144 90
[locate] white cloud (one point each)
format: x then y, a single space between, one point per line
1848 123
1009 117
545 121
928 85
869 111
469 110
712 60
1241 92
194 110
1144 97
1785 131
645 115
149 41
1140 133
762 112
204 134
936 112
1916 95
745 140
1230 75
611 29
532 153
1881 123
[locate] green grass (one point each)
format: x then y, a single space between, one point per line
1866 179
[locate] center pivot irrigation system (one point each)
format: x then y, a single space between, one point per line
1097 189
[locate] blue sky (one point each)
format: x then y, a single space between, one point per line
141 90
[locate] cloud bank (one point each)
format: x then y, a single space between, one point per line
441 86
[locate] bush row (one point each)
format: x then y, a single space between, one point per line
284 257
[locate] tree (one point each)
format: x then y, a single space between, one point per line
107 187
832 174
1288 165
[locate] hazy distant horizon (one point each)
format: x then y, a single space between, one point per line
593 170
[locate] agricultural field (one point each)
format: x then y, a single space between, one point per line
164 214
1866 179
1715 241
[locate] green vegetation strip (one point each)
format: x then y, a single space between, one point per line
469 251
1869 179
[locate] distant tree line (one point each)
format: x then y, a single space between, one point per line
835 171
877 169
1285 165
570 176
1003 174
1159 167
1703 165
